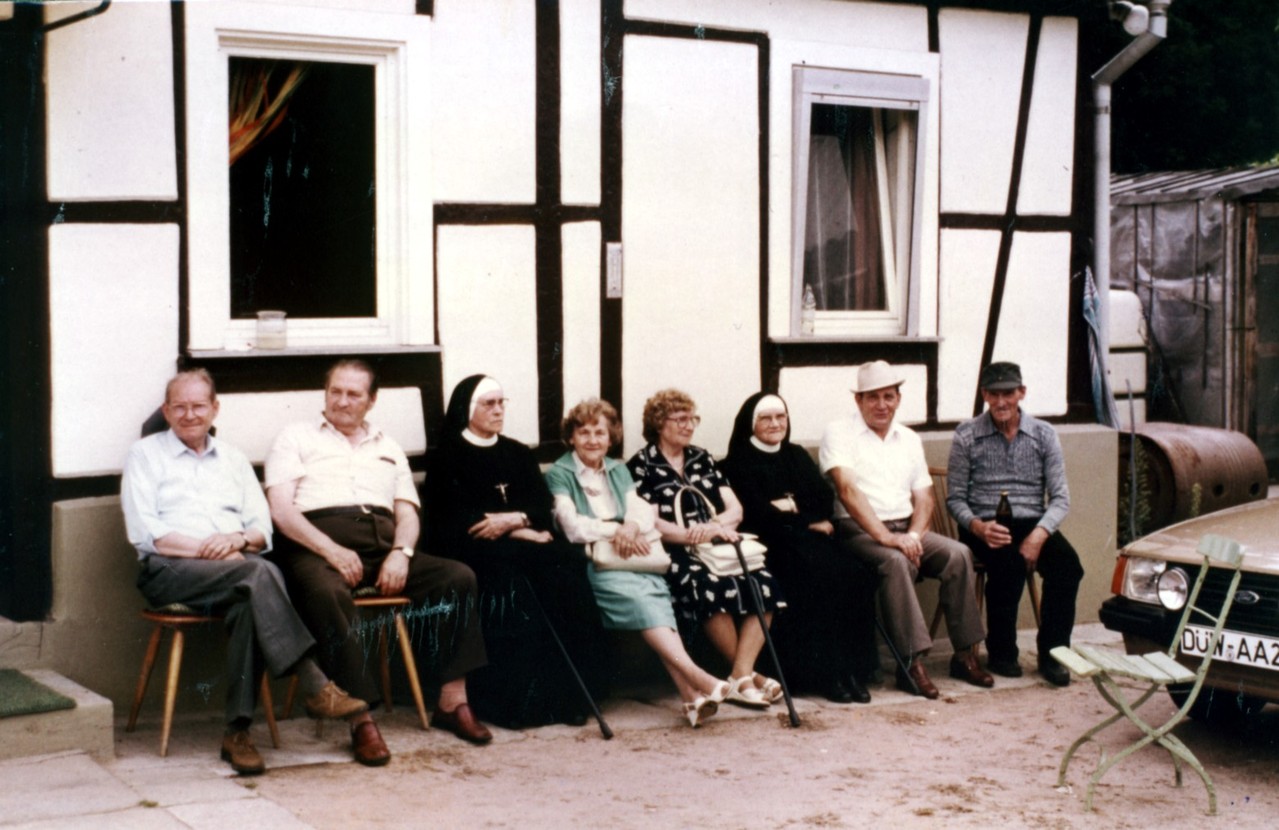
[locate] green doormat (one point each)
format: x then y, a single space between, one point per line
20 695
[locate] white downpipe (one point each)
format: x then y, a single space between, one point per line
1102 80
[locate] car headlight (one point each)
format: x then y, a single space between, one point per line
1174 589
1141 579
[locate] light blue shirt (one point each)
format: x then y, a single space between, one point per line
1030 467
168 488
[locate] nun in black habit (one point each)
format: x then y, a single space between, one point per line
487 505
826 640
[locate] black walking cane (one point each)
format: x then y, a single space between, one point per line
581 684
897 657
758 599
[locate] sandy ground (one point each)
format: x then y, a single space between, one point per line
973 759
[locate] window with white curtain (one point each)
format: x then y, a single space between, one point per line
857 221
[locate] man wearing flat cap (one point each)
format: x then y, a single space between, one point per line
884 509
1006 450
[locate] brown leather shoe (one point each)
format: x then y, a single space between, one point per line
964 666
461 722
333 703
238 749
923 683
367 745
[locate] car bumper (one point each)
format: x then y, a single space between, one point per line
1148 628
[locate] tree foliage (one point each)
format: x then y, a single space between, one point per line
1206 97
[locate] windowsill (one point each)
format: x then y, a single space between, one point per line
309 351
787 340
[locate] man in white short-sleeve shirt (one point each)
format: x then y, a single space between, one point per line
342 497
884 508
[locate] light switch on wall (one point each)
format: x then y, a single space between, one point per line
613 270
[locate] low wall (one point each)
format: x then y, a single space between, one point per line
96 638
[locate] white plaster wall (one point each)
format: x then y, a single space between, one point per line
881 25
982 59
785 55
488 320
113 296
367 6
690 228
817 395
580 101
482 88
968 273
581 257
251 421
110 104
1034 321
1050 131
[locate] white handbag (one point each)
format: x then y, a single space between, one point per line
605 557
720 558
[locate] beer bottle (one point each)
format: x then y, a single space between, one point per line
1004 511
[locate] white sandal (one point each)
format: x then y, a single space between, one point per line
700 709
742 691
770 688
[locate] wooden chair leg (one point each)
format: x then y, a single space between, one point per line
410 667
171 688
289 697
384 664
268 706
1033 587
148 663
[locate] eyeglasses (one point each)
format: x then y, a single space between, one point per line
199 410
773 418
686 421
492 403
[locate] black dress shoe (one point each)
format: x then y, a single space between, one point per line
1004 668
838 692
1054 672
857 690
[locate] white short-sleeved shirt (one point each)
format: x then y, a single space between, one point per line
332 472
885 469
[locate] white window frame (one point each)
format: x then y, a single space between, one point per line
903 254
397 47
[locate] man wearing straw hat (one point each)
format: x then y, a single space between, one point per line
884 509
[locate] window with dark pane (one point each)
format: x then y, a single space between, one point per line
303 203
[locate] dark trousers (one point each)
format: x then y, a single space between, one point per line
1059 567
443 621
263 627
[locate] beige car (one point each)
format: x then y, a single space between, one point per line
1244 675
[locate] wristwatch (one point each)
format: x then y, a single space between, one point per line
912 534
407 551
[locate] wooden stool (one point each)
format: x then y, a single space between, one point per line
179 618
369 598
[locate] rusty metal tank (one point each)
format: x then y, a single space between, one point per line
1193 470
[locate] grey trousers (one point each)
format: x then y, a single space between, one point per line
264 629
948 561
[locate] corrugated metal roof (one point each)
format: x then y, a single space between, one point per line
1184 185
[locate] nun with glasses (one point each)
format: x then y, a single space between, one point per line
487 505
826 639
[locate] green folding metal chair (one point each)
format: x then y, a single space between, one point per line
1108 668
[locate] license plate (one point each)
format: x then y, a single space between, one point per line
1244 649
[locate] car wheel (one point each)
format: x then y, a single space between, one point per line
1217 706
